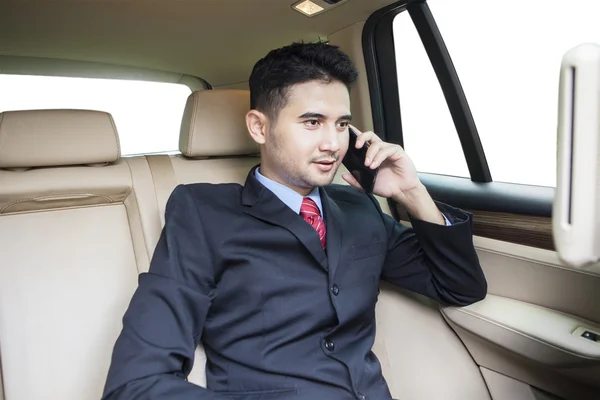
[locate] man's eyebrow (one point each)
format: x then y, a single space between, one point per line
312 115
315 115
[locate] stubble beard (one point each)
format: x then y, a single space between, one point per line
295 175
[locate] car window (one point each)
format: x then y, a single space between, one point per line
147 114
508 60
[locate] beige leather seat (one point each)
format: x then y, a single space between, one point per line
71 248
215 147
214 143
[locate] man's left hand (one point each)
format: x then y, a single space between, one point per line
397 177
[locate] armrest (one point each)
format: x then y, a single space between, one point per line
538 333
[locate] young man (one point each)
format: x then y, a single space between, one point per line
279 277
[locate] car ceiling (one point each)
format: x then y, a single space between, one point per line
218 40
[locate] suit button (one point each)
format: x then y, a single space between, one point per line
329 345
362 397
335 290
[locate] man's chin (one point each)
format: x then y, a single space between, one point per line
324 178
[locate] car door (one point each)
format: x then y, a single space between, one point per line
528 336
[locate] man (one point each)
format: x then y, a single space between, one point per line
279 278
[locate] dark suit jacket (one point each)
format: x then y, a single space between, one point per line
278 316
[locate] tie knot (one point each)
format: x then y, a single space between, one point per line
309 208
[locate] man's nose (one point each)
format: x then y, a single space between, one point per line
331 139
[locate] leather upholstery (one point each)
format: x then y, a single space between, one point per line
71 247
214 124
66 278
69 267
43 138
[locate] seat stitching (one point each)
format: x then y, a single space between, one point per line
55 196
61 209
191 128
127 211
134 193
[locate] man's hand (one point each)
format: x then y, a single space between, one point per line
397 178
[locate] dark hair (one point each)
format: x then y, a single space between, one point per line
297 63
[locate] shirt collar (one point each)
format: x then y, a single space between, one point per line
290 197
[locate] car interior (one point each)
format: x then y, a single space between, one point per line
79 220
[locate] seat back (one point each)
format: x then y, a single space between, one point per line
71 248
215 148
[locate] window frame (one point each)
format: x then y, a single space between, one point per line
479 192
378 41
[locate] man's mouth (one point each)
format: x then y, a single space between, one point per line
325 165
325 162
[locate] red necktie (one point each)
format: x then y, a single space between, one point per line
311 214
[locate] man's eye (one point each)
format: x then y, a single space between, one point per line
344 124
312 122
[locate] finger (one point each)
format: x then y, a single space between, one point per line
355 129
367 137
351 180
364 137
388 152
374 148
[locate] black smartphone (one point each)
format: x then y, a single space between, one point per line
354 161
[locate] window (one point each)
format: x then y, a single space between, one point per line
429 135
508 60
147 114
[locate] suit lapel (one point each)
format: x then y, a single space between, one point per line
261 203
334 225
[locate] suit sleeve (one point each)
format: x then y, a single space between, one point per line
437 261
163 324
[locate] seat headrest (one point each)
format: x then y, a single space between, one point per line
45 138
214 124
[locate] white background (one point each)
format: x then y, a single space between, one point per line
147 114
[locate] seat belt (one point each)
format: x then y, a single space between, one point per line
164 179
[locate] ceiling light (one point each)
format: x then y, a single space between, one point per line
308 8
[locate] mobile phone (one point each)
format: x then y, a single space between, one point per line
354 161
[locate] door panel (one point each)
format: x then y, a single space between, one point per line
529 230
510 364
535 278
523 330
521 336
538 333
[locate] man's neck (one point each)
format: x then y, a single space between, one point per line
265 171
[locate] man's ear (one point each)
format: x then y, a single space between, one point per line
257 123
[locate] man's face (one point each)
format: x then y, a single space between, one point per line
306 144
